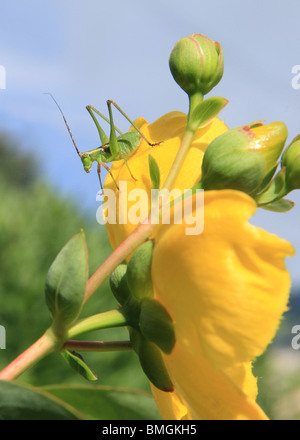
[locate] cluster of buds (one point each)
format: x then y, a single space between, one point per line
244 158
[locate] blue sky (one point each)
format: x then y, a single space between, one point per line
91 51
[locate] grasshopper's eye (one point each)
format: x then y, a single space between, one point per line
87 162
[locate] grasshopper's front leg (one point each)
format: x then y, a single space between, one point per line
108 170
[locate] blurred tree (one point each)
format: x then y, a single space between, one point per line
35 223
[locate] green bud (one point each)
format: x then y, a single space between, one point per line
244 158
197 64
291 161
138 276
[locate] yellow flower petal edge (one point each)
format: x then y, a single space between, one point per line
227 288
203 393
168 130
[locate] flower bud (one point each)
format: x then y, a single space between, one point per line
197 64
291 161
244 158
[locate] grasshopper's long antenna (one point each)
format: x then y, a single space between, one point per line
69 130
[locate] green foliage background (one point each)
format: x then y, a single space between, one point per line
35 223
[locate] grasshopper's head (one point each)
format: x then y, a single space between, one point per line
86 161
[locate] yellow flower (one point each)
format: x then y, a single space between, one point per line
168 130
225 289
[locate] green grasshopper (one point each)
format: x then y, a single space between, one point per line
113 148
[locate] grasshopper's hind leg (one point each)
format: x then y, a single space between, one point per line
110 102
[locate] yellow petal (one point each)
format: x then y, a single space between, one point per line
227 288
168 130
170 405
202 392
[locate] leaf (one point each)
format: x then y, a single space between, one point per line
156 325
76 361
154 172
282 205
22 402
66 281
98 402
204 113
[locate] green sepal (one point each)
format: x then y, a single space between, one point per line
66 282
152 362
154 172
139 271
156 325
134 336
267 180
118 284
205 112
274 191
131 311
77 363
282 205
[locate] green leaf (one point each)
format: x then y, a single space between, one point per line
139 271
76 361
204 113
282 205
107 403
66 281
154 172
22 402
156 325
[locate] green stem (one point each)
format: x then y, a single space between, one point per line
113 318
98 346
178 161
137 237
42 347
194 101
